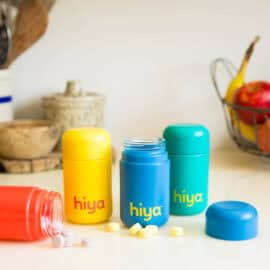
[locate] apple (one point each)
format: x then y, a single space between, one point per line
264 137
254 95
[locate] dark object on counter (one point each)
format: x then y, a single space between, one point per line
31 24
5 39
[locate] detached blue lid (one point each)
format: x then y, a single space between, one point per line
232 220
186 139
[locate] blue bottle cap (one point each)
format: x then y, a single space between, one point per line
232 220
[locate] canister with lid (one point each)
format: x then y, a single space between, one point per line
87 167
188 148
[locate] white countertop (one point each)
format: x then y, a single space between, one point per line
233 175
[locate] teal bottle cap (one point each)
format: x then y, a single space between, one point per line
186 139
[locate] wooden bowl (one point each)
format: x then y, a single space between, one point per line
28 139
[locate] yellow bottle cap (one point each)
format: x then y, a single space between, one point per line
86 143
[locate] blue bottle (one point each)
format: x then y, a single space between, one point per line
188 148
144 182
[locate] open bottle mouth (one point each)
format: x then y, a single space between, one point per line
144 144
52 215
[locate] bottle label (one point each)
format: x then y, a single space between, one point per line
188 199
91 206
147 213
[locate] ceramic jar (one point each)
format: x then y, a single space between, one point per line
75 108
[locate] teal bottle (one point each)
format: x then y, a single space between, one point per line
188 149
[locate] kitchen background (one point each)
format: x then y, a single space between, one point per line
150 58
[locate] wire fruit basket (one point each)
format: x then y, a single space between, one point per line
253 138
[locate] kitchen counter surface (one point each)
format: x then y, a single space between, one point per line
233 175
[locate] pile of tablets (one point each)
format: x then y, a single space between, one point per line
66 239
146 232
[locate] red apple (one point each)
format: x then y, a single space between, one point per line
264 137
254 95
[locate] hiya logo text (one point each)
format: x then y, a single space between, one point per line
146 212
90 206
189 199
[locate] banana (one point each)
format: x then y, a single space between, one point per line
247 131
238 81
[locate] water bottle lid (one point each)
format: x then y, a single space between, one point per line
86 143
186 139
232 220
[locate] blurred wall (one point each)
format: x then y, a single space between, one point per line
149 57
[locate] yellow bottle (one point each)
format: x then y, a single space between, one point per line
87 166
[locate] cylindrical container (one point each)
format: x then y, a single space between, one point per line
29 213
6 107
188 148
75 108
87 166
144 182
